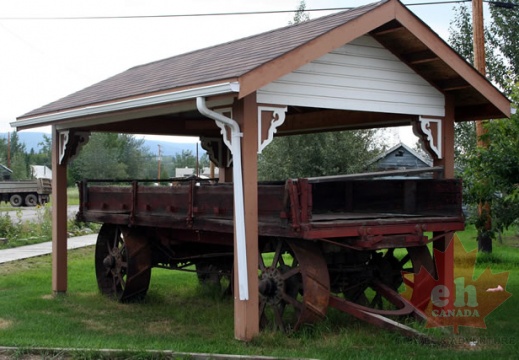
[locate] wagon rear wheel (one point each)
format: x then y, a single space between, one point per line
377 290
123 263
293 284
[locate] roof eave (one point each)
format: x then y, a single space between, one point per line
479 82
128 104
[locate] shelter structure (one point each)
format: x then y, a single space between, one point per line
377 65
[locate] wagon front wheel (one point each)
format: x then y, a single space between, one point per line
123 263
293 284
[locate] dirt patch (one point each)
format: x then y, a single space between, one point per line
5 324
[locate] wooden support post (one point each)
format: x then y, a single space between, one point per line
445 266
59 218
246 313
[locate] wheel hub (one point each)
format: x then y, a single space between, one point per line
113 260
271 285
109 262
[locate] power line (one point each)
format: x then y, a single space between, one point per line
438 2
208 14
168 15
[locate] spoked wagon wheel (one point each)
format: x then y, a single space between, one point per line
293 284
216 275
377 289
123 263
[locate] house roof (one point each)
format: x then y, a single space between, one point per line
398 146
5 169
254 61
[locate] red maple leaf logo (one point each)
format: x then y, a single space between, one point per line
462 301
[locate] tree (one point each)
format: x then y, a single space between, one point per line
300 15
321 154
492 173
110 156
14 156
502 59
484 178
501 39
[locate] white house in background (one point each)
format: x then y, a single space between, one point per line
41 171
186 172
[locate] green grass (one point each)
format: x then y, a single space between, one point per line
180 315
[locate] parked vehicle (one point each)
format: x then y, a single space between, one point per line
338 241
25 192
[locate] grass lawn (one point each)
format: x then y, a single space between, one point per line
180 315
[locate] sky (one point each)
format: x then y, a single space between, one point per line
44 60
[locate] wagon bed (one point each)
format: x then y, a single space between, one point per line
375 213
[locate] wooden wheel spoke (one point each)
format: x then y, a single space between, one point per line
376 301
292 301
404 260
288 274
278 316
262 306
116 238
261 262
121 281
278 258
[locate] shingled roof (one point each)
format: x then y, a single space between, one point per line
216 63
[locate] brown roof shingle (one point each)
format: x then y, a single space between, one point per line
224 61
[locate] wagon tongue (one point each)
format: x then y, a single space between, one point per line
384 318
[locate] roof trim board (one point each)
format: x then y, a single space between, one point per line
164 98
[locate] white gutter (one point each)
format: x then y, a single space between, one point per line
48 119
239 212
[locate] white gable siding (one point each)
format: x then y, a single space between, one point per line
361 75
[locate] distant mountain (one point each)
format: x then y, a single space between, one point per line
168 148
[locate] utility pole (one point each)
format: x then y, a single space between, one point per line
9 150
159 158
479 55
478 32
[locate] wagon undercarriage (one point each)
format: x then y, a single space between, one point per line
341 244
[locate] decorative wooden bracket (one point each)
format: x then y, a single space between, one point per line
224 129
219 154
267 125
70 143
429 130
